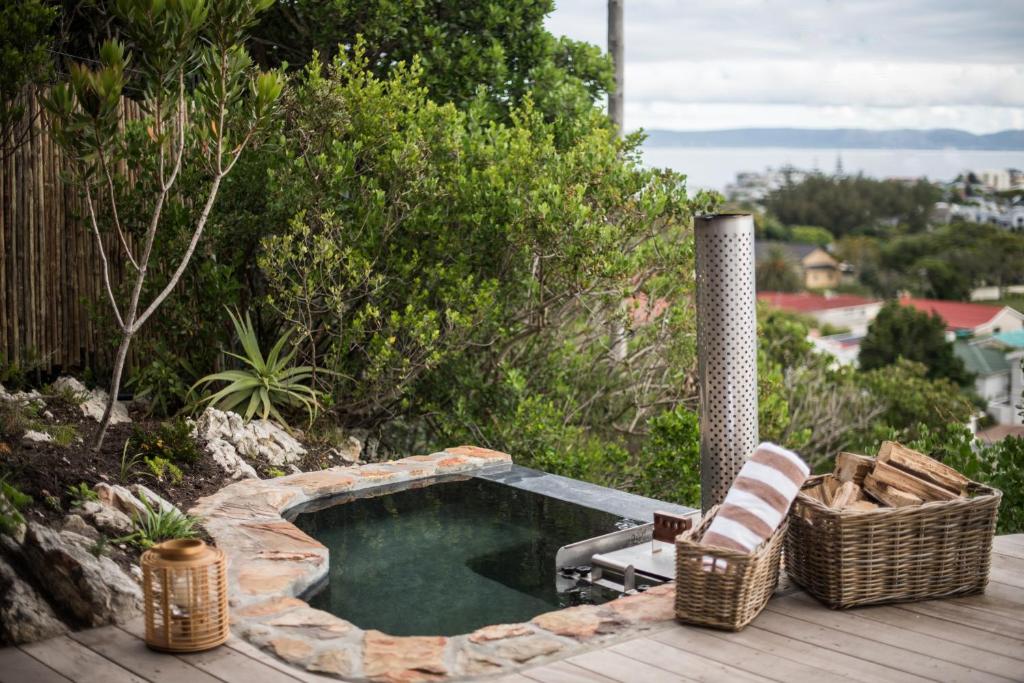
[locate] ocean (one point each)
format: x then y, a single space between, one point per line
715 167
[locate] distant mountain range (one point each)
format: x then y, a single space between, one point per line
839 138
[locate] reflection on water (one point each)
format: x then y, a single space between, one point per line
451 557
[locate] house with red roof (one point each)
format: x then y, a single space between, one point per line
847 311
967 319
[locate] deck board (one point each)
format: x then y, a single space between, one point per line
78 662
972 638
130 652
751 660
17 666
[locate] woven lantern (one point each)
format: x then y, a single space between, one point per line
185 588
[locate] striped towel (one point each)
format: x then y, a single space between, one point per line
758 500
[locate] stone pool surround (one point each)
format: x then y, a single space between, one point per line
271 562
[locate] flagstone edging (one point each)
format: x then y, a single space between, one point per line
271 562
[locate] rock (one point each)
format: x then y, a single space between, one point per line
225 455
38 437
26 398
75 524
92 588
156 501
109 520
49 416
229 440
25 616
71 386
94 402
348 447
119 498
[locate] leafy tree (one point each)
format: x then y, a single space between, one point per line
817 408
204 105
811 234
24 38
952 260
465 278
464 46
776 272
904 332
854 205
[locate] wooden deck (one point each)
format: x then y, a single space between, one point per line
978 638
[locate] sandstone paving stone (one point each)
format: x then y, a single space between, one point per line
269 607
334 661
583 621
522 649
403 659
499 631
645 607
290 649
471 663
477 452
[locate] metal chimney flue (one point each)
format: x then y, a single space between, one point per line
726 350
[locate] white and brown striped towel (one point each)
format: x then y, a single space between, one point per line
758 500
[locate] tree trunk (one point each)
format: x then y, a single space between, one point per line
115 388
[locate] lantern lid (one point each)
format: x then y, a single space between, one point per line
181 550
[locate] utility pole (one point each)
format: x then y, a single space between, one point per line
615 49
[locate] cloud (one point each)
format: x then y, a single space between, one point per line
710 116
864 63
876 84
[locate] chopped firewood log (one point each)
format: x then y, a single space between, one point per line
816 492
829 486
862 505
853 467
888 495
847 493
904 481
922 467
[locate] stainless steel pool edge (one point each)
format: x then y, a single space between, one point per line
594 496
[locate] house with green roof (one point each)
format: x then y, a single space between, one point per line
996 366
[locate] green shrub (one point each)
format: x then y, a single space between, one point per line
12 502
263 385
162 467
1000 465
161 383
81 493
156 525
172 440
63 435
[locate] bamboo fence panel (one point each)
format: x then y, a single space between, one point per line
50 272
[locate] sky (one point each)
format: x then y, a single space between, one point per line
814 63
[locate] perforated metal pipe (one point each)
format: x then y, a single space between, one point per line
726 350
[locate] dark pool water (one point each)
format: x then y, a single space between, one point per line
450 557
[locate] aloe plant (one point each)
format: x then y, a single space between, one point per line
263 384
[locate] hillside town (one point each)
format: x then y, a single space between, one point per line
834 249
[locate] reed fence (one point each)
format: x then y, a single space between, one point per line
51 283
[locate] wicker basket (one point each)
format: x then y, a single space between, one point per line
846 558
727 598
